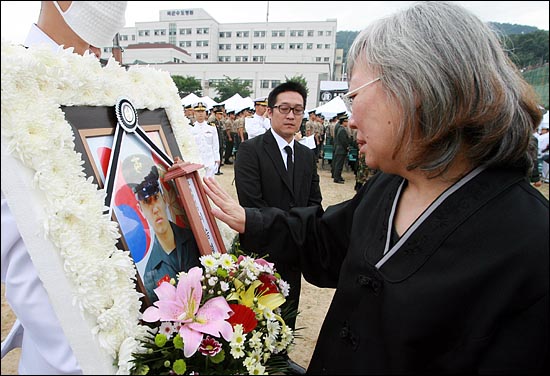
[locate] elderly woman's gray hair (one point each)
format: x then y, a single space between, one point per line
457 90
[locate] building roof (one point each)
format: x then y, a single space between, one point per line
144 46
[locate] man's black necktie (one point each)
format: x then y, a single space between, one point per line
289 165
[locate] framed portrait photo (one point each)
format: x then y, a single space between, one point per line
165 225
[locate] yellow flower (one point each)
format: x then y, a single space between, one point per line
247 296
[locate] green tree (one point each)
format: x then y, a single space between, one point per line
299 79
231 86
528 49
187 85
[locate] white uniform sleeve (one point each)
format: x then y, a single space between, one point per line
44 346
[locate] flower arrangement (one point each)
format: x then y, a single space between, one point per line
223 318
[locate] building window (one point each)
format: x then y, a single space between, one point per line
319 46
143 33
296 33
309 46
185 31
259 34
275 83
258 59
172 29
225 34
258 46
160 32
326 59
264 84
224 59
202 30
202 43
328 33
201 56
278 33
277 46
310 33
318 59
320 33
327 46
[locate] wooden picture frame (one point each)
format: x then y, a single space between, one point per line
106 146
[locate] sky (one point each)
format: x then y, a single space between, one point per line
17 16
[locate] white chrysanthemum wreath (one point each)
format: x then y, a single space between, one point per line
35 83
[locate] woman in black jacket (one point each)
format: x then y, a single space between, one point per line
435 261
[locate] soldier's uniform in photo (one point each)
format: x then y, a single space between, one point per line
142 176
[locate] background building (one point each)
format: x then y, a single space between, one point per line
189 42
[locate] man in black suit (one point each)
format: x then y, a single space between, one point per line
262 175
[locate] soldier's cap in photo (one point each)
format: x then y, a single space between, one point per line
141 175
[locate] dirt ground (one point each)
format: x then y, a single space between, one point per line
314 301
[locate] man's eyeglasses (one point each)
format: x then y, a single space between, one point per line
285 109
348 97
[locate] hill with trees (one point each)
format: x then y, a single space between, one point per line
527 47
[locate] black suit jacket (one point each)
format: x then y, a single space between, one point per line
262 180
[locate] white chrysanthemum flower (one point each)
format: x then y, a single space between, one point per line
268 314
226 261
237 352
257 369
209 262
273 329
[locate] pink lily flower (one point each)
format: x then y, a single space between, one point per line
182 305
